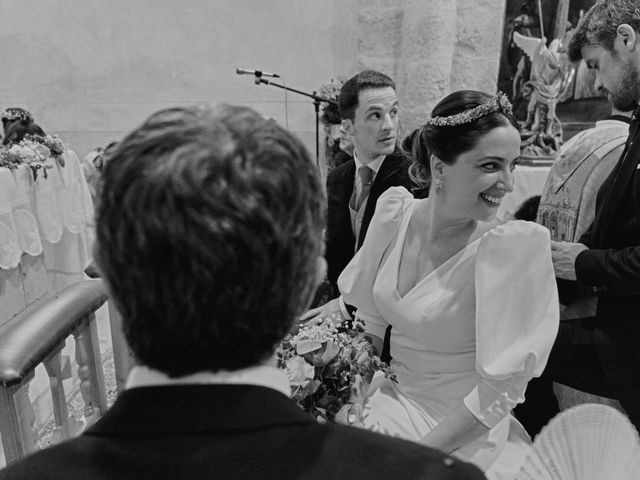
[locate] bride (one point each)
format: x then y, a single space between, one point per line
472 302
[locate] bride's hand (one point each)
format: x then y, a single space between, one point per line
331 309
350 414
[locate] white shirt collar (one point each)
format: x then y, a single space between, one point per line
261 375
375 165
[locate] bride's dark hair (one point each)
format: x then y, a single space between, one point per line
447 142
19 129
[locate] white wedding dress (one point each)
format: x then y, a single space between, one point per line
475 330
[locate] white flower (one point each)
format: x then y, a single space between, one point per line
15 149
299 371
42 152
307 346
27 154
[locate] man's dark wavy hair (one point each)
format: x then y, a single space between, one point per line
209 226
600 24
350 91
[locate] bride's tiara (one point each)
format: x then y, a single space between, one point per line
498 103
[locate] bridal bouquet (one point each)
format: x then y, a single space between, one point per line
324 362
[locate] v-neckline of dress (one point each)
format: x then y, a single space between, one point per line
402 239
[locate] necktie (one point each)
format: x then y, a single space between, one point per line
366 175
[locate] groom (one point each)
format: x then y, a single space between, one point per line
209 235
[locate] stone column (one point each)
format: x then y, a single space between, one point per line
476 60
428 51
429 47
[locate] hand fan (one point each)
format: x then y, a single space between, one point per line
586 442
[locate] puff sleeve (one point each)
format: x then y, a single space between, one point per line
517 316
356 280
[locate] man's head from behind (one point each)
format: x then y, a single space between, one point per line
209 231
369 110
608 39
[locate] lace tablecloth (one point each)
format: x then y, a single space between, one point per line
49 219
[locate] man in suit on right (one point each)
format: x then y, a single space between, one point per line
605 262
209 237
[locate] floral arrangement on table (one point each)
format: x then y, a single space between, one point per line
15 114
330 111
325 362
331 121
35 151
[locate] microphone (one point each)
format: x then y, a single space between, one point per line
257 73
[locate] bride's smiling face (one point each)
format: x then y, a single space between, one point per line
475 184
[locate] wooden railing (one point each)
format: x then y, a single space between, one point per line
37 335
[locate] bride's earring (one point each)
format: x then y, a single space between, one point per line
438 184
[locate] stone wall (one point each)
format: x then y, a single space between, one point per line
92 70
430 48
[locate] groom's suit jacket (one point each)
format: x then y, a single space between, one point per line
229 432
340 238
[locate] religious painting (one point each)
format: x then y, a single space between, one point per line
552 98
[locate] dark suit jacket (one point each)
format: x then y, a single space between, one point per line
229 432
340 240
611 270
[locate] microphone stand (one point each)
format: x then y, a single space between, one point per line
317 100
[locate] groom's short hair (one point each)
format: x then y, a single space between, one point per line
209 225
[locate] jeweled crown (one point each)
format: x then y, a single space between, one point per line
498 103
